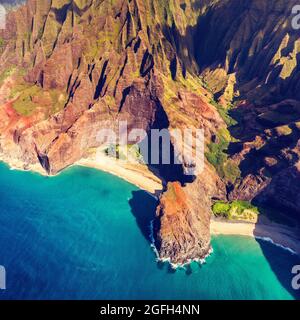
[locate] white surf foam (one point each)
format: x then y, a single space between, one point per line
267 239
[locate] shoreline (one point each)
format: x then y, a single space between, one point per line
277 234
18 165
134 173
140 176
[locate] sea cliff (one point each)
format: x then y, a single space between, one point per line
69 68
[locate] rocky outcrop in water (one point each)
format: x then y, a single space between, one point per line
183 234
183 224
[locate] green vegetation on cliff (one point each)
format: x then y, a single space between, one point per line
24 104
6 73
235 210
218 157
224 113
30 97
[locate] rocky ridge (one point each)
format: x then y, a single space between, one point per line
251 62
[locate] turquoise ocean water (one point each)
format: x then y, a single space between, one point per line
85 235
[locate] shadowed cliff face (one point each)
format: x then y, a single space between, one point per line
252 43
248 53
68 68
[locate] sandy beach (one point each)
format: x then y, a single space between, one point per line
135 173
279 234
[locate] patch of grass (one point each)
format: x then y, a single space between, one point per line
29 97
17 89
217 151
224 113
231 171
24 105
217 155
235 210
6 73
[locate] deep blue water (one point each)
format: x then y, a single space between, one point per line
84 235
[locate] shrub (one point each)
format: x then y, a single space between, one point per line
221 209
235 210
